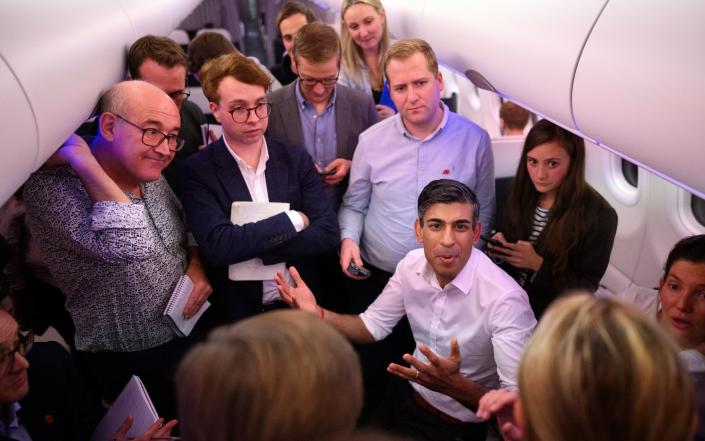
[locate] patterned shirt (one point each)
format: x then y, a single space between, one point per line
117 263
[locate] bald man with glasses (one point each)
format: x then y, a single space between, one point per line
112 233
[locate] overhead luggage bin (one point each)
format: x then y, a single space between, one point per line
55 62
639 87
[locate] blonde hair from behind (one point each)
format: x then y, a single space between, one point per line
280 376
598 370
233 65
352 54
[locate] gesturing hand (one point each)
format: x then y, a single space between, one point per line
442 374
299 296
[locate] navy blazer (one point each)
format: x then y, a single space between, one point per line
210 181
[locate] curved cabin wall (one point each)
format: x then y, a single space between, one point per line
55 60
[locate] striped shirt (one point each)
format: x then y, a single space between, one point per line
540 220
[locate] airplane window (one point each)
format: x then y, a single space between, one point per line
631 173
698 206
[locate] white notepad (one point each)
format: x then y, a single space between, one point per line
174 310
133 400
243 213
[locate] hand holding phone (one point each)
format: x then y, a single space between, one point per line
493 242
358 270
324 172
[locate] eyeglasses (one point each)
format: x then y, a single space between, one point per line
325 82
24 342
242 114
154 138
180 96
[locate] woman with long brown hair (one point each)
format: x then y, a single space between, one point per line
558 231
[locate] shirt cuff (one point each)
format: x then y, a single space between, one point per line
118 215
296 219
376 332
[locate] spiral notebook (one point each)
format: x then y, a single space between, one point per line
133 400
174 310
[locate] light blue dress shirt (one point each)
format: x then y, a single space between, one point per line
391 167
320 138
14 429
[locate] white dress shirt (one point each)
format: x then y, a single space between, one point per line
483 307
256 182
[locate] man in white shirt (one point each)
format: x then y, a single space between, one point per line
458 302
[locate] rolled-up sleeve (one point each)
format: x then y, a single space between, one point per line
386 311
60 211
512 322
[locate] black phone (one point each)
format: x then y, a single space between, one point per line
327 172
358 270
494 242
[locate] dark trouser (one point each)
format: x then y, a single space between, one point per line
109 372
404 416
376 357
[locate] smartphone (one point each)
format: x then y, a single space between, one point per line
494 242
327 172
358 270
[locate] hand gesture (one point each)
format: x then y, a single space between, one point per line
156 430
350 252
500 403
341 167
297 297
442 374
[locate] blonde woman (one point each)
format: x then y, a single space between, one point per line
596 369
281 376
365 40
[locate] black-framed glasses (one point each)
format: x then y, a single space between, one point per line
154 138
242 114
7 361
325 82
180 96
